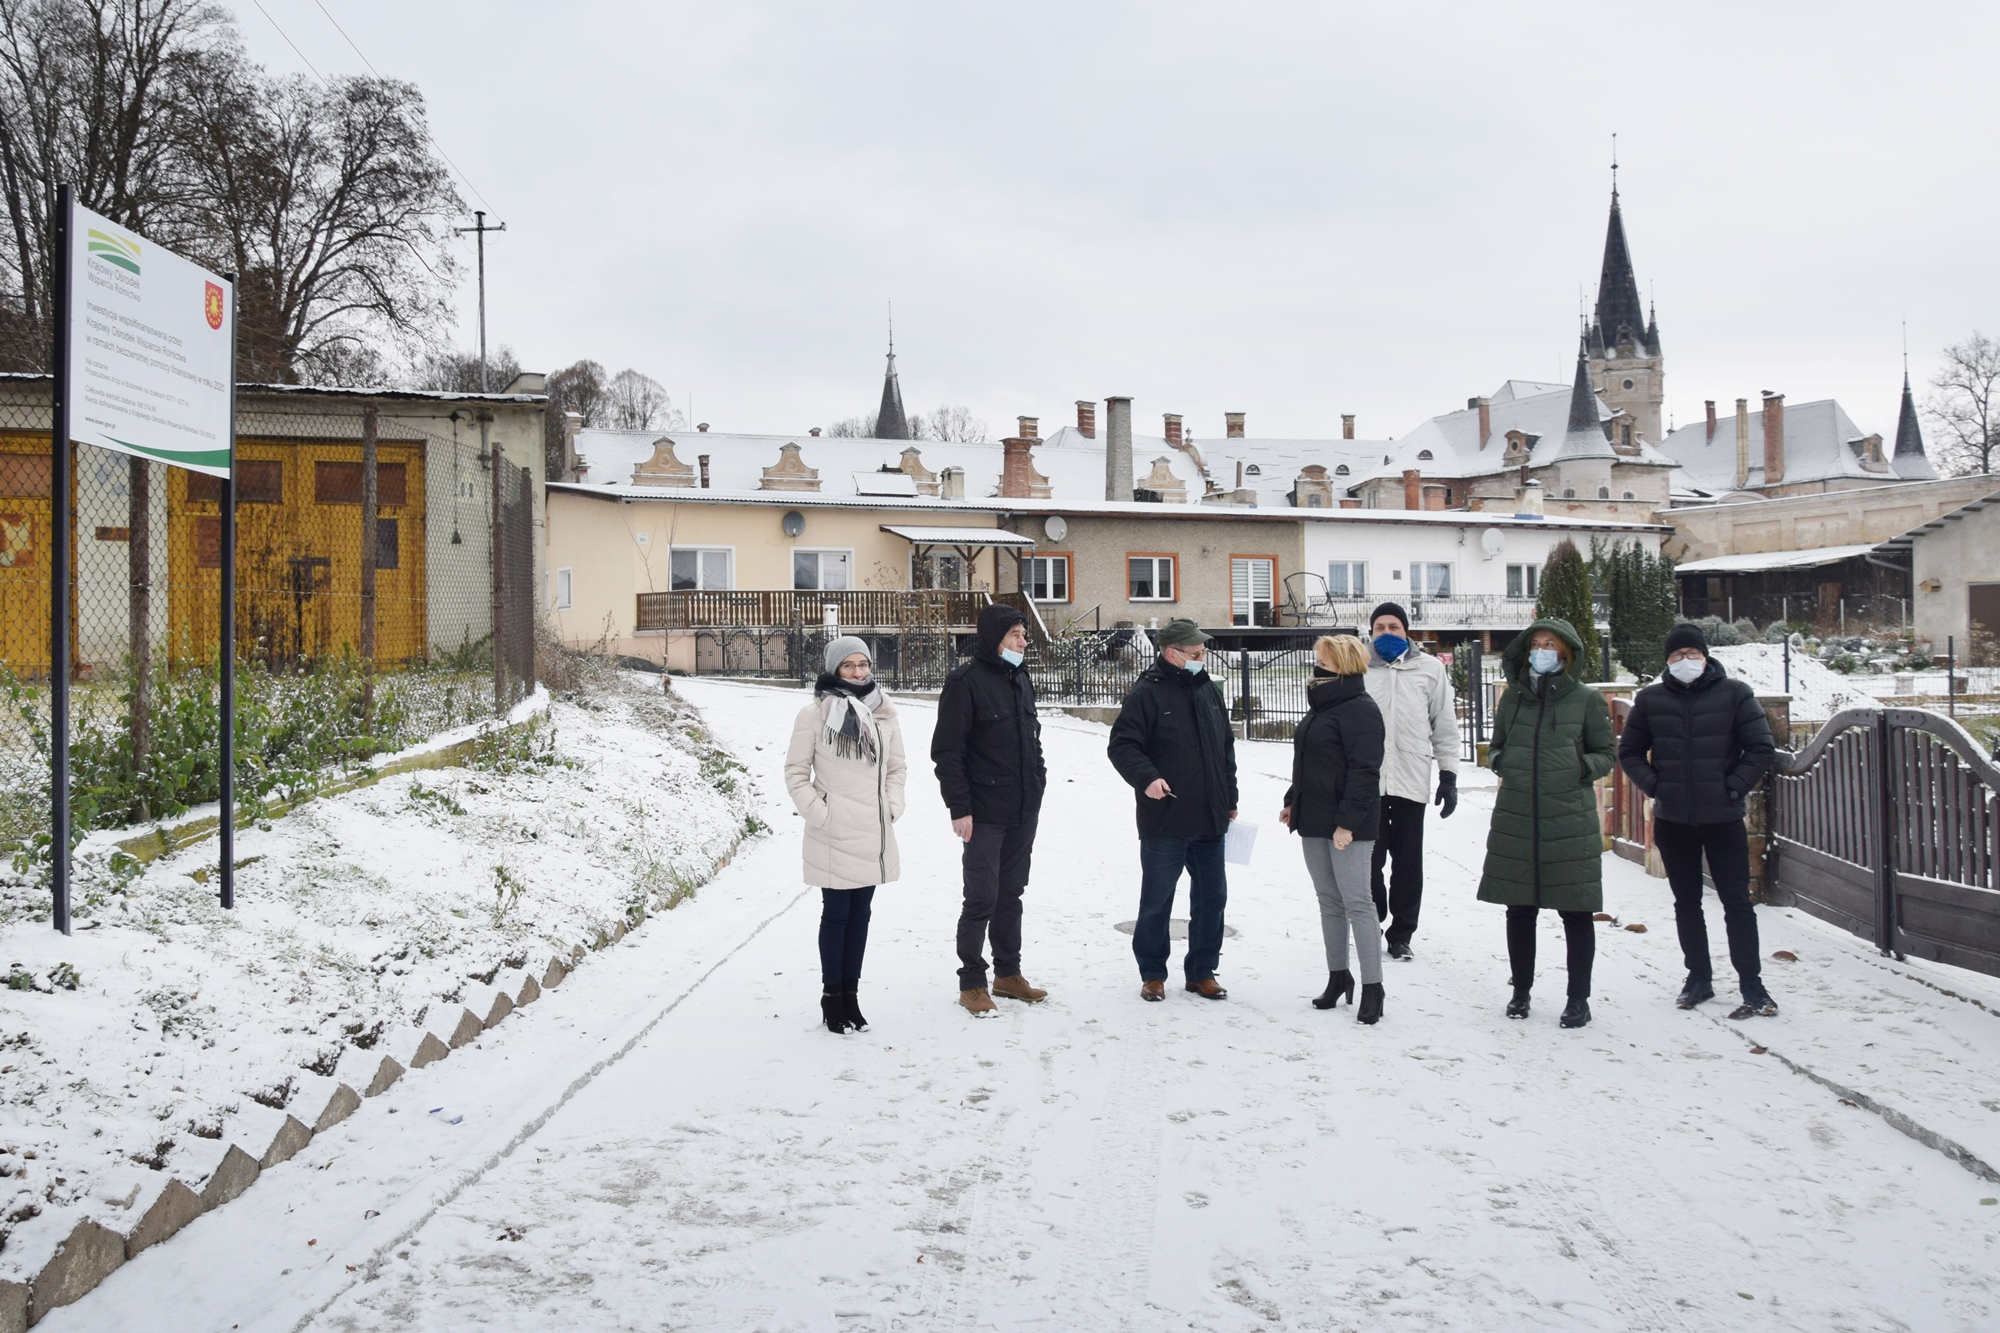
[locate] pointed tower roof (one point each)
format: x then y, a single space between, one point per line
1617 288
1909 458
1584 436
890 422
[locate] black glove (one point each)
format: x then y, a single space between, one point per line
1447 796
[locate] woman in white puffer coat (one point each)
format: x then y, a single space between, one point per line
845 772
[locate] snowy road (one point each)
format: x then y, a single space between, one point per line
669 1142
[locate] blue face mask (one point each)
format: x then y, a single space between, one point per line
1010 657
1389 647
1545 661
1196 666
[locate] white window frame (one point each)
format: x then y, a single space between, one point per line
728 554
969 570
1530 580
1420 587
1068 582
565 588
1350 566
1243 603
1173 578
798 551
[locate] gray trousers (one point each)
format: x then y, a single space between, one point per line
1346 901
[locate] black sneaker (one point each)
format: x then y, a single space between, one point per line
1756 1004
1695 992
1400 949
1518 1006
1576 1013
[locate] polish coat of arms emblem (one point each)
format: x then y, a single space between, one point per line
211 305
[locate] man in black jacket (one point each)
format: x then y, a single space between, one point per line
1172 742
1697 742
988 752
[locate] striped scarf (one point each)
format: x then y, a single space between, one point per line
841 702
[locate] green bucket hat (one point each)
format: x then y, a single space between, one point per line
1181 632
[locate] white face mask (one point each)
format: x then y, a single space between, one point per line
1010 657
1688 670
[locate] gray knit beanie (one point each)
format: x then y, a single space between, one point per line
844 647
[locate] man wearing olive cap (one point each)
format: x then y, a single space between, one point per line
1173 744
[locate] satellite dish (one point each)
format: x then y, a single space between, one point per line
1493 542
795 523
1057 527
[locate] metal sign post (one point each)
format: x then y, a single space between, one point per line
145 365
59 572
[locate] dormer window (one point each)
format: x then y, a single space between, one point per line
1423 455
1340 471
1254 470
1604 492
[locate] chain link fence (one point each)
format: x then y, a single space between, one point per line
360 628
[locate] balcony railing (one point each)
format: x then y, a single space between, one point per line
1479 611
868 609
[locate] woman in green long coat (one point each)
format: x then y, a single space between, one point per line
1551 741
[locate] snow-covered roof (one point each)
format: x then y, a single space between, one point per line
1447 446
1766 560
957 536
1822 443
1909 539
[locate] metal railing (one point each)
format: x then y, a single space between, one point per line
861 609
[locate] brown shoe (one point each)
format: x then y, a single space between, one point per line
1016 987
1208 988
1154 991
976 1001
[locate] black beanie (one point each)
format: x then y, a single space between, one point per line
1686 635
1390 609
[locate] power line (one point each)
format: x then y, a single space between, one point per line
372 70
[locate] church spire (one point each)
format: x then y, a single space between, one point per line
1909 435
1618 305
890 422
1583 397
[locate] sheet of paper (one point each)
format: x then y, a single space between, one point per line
1236 844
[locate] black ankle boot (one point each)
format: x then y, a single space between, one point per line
833 1009
1338 984
1371 1003
851 1006
1576 1013
1518 1006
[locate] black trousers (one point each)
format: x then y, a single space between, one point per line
996 871
843 933
1578 933
1727 847
1401 838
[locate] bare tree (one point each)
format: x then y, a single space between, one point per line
1964 407
331 206
948 422
577 388
633 401
453 371
859 428
91 94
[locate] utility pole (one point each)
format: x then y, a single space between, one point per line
492 457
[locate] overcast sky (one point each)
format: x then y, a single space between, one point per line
1291 210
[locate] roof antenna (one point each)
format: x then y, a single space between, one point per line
1614 164
892 330
1906 353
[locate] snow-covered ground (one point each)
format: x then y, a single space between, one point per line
165 1029
669 1141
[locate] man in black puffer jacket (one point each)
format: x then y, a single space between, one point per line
1697 742
988 750
1173 744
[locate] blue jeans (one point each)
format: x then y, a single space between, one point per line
1161 861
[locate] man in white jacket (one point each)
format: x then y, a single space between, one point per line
1421 726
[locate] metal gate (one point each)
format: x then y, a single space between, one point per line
1888 825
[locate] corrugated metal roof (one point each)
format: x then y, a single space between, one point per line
1763 560
959 536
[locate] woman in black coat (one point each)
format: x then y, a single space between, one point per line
1335 805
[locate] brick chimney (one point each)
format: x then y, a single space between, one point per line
1413 488
814 432
1232 425
1346 425
1710 405
1485 406
1742 443
1030 427
1015 464
1173 430
704 470
1774 438
1118 448
1086 418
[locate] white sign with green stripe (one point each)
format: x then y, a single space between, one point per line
149 349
